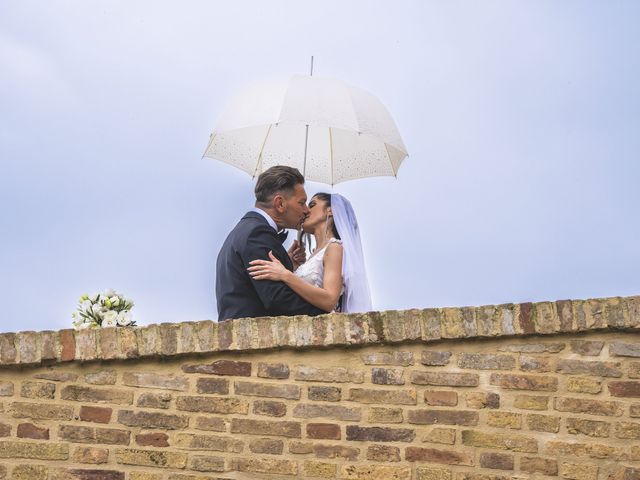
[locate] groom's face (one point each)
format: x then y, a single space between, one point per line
295 208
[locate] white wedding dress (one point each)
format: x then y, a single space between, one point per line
312 271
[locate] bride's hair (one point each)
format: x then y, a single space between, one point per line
326 197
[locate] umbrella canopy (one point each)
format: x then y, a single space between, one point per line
330 131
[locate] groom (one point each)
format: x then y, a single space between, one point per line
281 202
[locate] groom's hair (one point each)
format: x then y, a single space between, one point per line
276 179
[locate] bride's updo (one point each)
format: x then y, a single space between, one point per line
326 198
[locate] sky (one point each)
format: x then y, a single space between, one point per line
522 122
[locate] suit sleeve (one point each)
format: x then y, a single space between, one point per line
276 297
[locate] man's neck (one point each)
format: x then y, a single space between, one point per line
271 215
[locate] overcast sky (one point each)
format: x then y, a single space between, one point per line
522 121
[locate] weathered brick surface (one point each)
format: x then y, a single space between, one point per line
551 391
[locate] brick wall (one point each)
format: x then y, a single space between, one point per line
541 390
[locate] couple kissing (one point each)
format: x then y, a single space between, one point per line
257 277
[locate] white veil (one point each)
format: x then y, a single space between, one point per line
356 297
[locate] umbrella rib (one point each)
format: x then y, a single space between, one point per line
213 137
264 142
331 155
386 148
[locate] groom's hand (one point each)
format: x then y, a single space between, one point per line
297 254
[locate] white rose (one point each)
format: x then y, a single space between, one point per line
110 319
124 319
109 293
129 302
94 297
115 301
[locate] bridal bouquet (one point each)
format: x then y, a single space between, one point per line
106 309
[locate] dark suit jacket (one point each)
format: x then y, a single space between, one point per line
237 293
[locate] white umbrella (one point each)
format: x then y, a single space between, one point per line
330 131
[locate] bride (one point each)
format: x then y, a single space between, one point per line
334 277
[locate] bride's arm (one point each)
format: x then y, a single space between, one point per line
325 298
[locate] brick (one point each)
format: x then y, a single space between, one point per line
108 340
543 423
30 472
38 390
480 400
401 359
628 430
533 348
329 375
590 407
27 346
324 394
624 389
109 436
333 451
496 461
91 455
154 400
545 466
96 395
85 474
216 443
206 463
273 370
102 377
584 385
212 405
500 441
35 450
624 349
6 389
580 367
433 473
269 408
29 430
433 455
504 420
441 398
634 370
214 424
325 431
524 382
579 472
385 415
40 411
383 453
486 361
387 376
290 392
374 472
317 469
67 345
634 410
86 345
269 446
5 430
48 346
531 402
265 465
221 367
442 417
154 380
57 376
586 348
441 435
592 428
95 414
152 420
158 476
151 458
445 379
266 427
155 439
631 473
435 358
334 412
393 397
535 364
379 434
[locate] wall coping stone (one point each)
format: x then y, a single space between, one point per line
330 330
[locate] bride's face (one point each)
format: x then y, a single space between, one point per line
318 211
